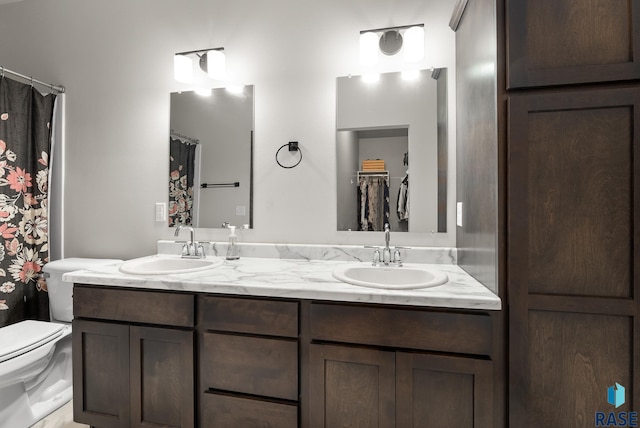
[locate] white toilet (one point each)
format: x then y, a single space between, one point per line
35 356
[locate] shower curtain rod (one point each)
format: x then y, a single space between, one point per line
32 80
184 137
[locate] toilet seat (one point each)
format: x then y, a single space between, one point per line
25 336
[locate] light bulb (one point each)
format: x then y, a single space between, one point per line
182 68
216 65
414 44
368 49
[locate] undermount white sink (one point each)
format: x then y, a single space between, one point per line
168 264
390 277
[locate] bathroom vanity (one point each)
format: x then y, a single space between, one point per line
279 343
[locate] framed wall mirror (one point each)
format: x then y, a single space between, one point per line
391 152
211 158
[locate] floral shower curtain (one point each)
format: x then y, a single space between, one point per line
182 157
25 143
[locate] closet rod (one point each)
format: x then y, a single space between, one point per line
32 80
373 174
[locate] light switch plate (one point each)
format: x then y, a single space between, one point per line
241 210
459 214
161 211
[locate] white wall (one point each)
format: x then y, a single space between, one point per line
115 59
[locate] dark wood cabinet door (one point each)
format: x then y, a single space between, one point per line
351 387
162 373
572 251
441 391
101 374
554 42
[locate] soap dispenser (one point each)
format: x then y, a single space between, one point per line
233 252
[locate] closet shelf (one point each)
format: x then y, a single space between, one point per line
373 174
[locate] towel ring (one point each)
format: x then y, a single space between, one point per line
293 147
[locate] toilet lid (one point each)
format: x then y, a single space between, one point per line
16 339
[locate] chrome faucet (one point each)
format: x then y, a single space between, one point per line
387 257
190 249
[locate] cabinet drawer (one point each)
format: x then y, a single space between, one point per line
229 411
252 316
149 307
250 365
455 332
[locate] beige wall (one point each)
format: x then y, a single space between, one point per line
115 59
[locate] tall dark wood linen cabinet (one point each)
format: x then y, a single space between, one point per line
571 185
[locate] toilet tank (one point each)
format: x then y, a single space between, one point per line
61 292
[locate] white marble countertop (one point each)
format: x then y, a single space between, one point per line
298 279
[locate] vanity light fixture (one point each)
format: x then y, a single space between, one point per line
211 61
390 41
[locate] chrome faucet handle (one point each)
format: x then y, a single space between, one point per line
397 258
199 250
400 247
376 254
376 257
186 249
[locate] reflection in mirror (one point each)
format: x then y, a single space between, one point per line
391 152
211 158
